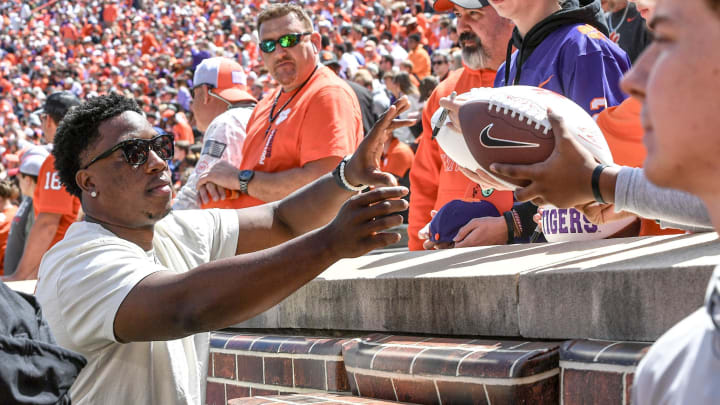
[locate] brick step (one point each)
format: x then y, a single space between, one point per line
310 399
453 371
606 366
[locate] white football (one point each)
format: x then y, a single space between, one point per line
518 114
521 132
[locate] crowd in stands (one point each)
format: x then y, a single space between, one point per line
249 103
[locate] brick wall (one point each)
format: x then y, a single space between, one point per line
421 370
249 365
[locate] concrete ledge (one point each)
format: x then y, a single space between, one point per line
620 289
635 290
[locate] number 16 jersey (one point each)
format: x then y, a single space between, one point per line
51 197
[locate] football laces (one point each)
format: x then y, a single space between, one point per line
522 109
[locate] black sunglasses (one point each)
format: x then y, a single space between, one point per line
136 151
192 89
439 62
714 308
286 41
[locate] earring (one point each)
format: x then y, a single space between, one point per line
93 194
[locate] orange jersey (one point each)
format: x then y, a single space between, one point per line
398 158
6 219
51 197
435 178
323 120
623 131
421 62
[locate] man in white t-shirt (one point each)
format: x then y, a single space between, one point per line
221 106
136 286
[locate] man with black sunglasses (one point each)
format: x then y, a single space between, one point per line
301 130
135 286
55 208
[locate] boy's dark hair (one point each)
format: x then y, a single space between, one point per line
8 190
79 129
58 104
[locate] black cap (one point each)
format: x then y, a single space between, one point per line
58 104
328 58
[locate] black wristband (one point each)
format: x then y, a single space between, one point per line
595 183
526 211
509 221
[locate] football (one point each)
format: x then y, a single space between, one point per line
510 125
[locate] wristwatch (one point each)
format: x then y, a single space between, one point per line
244 177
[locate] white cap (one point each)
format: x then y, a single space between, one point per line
226 76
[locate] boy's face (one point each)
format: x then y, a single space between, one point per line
677 79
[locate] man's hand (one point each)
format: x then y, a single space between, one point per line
364 166
563 179
483 231
483 179
453 106
602 213
357 228
212 184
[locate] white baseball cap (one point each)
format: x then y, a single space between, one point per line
226 76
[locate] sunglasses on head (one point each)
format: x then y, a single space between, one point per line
286 41
136 151
192 89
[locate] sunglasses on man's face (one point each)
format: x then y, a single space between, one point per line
286 41
136 151
438 62
714 308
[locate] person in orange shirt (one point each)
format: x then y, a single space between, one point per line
8 192
301 130
55 208
434 178
396 159
418 56
110 13
623 130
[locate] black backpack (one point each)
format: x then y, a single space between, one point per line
33 368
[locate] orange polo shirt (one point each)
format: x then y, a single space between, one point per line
321 121
435 178
421 62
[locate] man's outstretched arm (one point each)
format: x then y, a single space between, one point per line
228 291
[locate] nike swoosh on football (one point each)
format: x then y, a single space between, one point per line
490 142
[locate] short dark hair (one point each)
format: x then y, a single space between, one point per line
59 103
79 129
387 58
415 37
714 5
273 11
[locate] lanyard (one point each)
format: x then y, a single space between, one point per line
274 116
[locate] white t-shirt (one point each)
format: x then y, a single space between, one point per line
223 140
683 366
85 277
